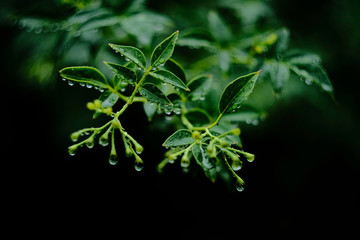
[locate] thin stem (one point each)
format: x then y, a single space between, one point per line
132 98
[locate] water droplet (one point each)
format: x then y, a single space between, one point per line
88 85
248 121
163 83
64 79
250 157
90 143
255 122
240 186
101 90
168 118
202 98
139 165
185 162
308 81
154 69
127 59
122 89
104 140
177 111
71 83
168 111
72 150
113 159
236 165
82 84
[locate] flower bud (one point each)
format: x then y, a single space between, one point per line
138 148
116 123
91 106
236 131
90 142
139 164
72 150
250 157
185 161
97 103
240 184
196 134
224 143
236 165
75 136
113 159
104 139
108 110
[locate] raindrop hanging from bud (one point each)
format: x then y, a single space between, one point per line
240 185
104 139
139 165
113 159
236 165
72 150
185 161
90 142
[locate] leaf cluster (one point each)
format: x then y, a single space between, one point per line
196 89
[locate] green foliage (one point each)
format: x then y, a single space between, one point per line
192 85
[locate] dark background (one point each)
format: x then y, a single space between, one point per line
304 181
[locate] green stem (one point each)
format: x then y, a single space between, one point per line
132 98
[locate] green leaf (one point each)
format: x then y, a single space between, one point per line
279 74
154 95
282 42
218 27
124 74
247 116
131 53
237 92
150 110
84 74
144 25
200 86
207 164
164 50
108 99
314 74
175 67
195 43
168 77
181 137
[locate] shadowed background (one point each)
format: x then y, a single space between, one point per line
304 180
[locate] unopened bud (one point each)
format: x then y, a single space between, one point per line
97 103
185 161
236 131
196 134
91 106
116 123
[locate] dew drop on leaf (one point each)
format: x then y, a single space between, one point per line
71 83
88 85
